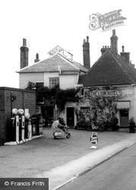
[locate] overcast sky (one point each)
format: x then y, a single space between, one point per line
47 23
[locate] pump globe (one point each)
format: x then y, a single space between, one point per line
14 111
21 111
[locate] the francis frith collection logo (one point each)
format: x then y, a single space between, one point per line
106 21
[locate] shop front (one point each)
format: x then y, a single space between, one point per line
123 113
102 105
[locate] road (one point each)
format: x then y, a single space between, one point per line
117 173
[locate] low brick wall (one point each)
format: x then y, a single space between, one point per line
13 98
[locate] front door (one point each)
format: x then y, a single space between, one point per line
124 117
70 116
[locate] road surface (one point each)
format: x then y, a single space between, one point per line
118 173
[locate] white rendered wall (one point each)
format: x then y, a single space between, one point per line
68 81
65 81
24 78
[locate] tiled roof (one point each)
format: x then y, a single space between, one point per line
81 67
110 69
54 64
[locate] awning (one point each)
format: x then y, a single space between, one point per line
123 105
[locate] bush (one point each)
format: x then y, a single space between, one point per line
82 124
132 126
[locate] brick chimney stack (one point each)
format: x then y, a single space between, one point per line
114 42
125 55
86 53
104 49
24 54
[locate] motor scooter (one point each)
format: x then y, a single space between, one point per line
59 133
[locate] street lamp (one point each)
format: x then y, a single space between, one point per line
12 99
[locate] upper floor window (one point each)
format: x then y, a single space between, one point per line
53 82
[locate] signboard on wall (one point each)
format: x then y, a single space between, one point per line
123 105
104 93
88 93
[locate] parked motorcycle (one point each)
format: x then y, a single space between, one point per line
60 131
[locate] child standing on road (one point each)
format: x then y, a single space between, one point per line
94 137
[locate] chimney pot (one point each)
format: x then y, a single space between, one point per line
37 58
114 32
123 49
24 42
104 49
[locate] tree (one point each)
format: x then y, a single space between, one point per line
56 96
31 86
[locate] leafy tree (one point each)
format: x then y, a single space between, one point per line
31 86
56 96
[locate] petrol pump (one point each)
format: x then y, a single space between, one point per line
21 125
14 121
28 125
15 125
21 130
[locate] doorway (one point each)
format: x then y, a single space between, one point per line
124 118
70 117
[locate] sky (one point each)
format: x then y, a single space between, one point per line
47 23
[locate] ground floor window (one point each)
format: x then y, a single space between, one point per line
53 82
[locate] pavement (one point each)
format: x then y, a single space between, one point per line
61 160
